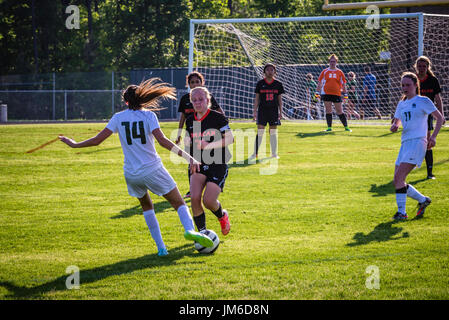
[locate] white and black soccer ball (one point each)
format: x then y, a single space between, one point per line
207 250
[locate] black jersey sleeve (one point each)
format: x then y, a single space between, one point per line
213 103
281 88
183 103
437 86
258 85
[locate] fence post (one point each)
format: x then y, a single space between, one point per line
112 90
54 96
65 105
3 113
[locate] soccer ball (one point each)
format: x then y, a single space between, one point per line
214 237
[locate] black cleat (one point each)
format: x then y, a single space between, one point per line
400 216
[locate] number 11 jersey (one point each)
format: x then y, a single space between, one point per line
413 115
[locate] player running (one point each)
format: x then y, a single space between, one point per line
412 111
193 79
143 168
209 135
430 87
268 109
331 87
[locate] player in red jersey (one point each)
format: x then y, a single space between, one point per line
209 135
268 108
430 87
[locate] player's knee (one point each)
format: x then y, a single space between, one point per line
210 203
195 199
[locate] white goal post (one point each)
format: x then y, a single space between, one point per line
231 54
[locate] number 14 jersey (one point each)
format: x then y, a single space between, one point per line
135 128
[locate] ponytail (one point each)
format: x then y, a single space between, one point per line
147 94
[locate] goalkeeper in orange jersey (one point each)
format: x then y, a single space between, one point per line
332 90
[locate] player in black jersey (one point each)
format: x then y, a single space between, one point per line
268 108
193 80
209 135
430 87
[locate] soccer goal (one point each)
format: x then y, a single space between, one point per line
231 54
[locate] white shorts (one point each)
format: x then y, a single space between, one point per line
159 182
412 151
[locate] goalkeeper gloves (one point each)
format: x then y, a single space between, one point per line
317 95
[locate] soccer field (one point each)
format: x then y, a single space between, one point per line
319 227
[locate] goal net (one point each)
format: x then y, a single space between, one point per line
231 55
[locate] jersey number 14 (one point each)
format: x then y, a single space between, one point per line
132 131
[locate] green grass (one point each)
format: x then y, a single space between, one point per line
309 231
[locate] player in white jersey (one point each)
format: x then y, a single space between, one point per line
412 111
143 168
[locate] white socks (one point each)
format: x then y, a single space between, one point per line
274 142
185 217
401 200
415 194
401 197
153 225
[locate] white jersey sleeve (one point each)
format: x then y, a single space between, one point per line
112 124
413 114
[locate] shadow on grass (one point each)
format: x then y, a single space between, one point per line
144 264
158 208
248 162
385 231
383 190
98 150
303 135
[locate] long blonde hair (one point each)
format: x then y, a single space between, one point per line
147 94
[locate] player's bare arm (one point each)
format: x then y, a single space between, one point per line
94 141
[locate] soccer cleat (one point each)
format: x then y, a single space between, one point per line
201 238
329 129
422 207
187 195
224 223
400 216
347 129
431 177
162 252
275 156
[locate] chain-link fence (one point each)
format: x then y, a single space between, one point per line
80 96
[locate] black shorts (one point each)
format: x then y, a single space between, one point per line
430 123
331 98
270 116
216 173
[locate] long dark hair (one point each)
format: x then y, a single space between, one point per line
415 80
427 61
194 74
147 94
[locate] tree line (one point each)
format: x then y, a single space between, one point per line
118 34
